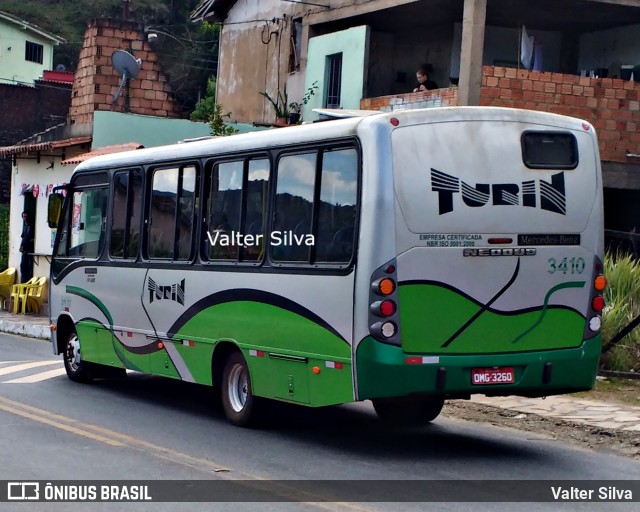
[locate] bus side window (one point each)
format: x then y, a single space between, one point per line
256 208
171 213
125 214
337 208
328 214
185 213
88 216
236 206
293 207
223 213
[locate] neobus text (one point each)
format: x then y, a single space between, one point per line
515 251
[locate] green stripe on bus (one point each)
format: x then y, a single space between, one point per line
274 331
431 314
81 292
265 327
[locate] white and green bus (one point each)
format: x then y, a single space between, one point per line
406 258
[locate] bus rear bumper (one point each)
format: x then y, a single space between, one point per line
387 371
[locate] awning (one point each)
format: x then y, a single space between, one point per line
42 146
106 150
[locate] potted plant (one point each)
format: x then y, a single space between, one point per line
280 107
294 112
295 107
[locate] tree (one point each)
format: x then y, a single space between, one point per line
216 121
206 105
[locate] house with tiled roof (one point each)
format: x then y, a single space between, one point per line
100 117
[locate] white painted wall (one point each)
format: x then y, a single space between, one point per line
27 170
606 47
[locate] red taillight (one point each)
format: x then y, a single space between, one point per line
394 121
390 269
387 308
598 304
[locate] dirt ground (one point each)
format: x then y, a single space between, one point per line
620 442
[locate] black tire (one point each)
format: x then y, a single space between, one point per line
77 369
238 403
408 411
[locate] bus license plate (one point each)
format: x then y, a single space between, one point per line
483 376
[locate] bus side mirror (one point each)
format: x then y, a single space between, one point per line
54 209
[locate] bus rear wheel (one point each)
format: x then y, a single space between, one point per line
408 411
238 403
77 369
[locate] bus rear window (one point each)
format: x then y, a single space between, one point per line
549 150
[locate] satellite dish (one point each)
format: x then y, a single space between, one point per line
127 67
61 67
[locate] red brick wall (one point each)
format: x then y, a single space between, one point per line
428 99
95 79
611 105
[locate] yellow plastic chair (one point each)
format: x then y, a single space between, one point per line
20 290
7 280
33 300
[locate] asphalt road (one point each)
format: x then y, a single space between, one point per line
148 428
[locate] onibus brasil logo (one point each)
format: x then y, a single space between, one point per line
531 193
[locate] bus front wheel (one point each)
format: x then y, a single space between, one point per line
238 403
77 369
408 411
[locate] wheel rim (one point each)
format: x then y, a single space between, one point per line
238 388
73 353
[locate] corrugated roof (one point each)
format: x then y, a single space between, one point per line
211 10
41 146
106 150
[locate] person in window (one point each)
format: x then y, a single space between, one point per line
26 248
424 84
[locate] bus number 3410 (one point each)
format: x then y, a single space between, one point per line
566 265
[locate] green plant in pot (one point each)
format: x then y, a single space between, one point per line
294 112
296 108
280 107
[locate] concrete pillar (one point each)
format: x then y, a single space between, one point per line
569 52
473 23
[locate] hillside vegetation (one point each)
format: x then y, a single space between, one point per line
187 52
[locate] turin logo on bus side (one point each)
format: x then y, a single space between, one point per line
535 193
174 292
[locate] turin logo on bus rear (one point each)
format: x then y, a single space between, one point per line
531 193
174 292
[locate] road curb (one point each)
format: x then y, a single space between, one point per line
620 375
25 329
